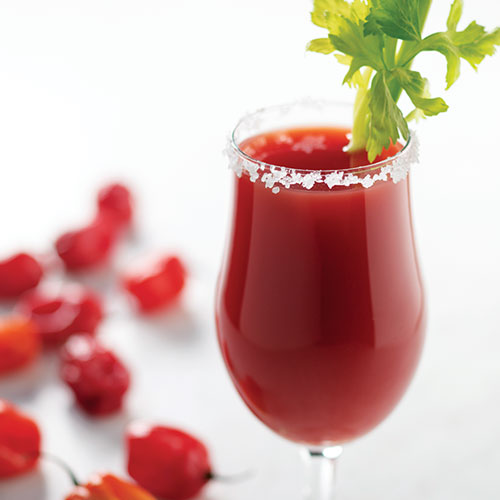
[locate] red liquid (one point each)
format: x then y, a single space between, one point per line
320 308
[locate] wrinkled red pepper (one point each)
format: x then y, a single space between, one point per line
19 441
115 200
158 284
18 274
167 462
60 314
89 246
97 377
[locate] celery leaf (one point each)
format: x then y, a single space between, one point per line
386 121
323 7
385 36
396 18
455 15
475 43
347 36
321 45
416 86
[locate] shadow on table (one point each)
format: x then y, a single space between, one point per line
27 487
102 431
22 386
178 324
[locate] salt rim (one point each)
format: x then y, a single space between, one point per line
396 168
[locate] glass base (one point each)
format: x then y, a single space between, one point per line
321 466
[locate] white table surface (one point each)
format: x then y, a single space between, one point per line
147 92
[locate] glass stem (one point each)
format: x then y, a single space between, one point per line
322 472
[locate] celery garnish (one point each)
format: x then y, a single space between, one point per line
379 40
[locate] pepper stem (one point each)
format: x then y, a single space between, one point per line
63 465
234 478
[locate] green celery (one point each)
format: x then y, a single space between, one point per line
366 34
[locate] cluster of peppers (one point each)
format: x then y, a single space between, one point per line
165 462
45 316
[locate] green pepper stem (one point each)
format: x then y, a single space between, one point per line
235 478
63 465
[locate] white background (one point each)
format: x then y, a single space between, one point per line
147 91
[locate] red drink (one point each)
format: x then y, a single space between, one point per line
320 308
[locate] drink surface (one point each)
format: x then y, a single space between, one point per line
320 306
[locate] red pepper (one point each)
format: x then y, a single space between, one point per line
18 274
98 379
58 315
116 201
19 343
19 441
89 246
167 462
108 487
158 284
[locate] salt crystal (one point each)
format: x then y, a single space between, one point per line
396 169
334 179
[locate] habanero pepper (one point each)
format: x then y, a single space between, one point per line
62 313
89 246
108 487
115 200
97 377
19 343
167 462
19 273
19 441
156 284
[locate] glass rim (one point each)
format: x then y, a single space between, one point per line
268 167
